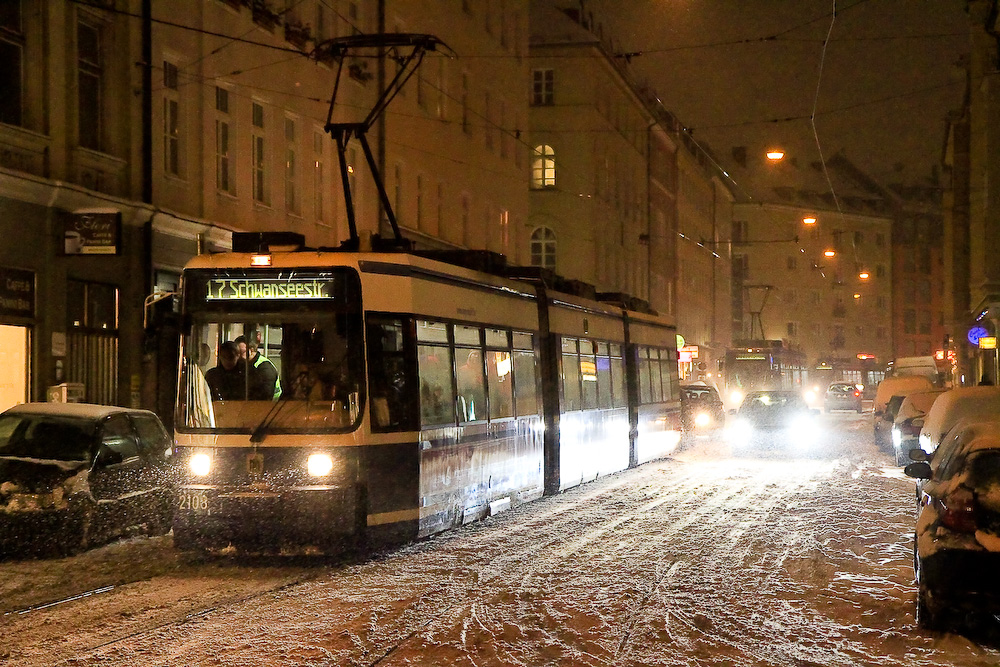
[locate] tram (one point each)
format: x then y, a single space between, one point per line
416 395
753 365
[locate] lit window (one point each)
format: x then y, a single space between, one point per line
543 167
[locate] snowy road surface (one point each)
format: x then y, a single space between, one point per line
700 559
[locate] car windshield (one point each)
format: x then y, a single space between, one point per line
698 393
766 401
46 437
841 389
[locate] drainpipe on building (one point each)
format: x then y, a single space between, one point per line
147 138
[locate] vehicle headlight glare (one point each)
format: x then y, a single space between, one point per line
897 438
810 396
319 465
736 397
200 464
702 419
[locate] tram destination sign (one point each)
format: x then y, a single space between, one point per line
267 289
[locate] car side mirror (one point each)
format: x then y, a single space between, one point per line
918 455
107 457
918 470
917 423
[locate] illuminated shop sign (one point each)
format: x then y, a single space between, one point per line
266 289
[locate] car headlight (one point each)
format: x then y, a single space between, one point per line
319 465
804 428
897 438
736 397
200 464
810 396
702 419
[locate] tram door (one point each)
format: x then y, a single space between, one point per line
14 360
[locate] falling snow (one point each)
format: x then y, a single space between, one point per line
700 559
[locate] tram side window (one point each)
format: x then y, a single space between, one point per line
671 383
604 397
434 367
499 374
645 392
570 374
588 374
525 376
655 385
393 404
617 376
470 375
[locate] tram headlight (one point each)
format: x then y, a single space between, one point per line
200 464
735 397
319 465
702 419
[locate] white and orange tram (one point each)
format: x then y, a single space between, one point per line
413 395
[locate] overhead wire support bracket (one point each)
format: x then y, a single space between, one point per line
407 51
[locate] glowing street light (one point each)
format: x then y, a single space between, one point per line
809 221
857 296
864 275
775 154
829 253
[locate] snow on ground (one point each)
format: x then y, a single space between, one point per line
700 559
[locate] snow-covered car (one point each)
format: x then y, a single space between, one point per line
701 408
842 396
957 536
886 403
954 406
908 420
774 420
73 475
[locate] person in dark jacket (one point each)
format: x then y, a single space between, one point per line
263 383
227 380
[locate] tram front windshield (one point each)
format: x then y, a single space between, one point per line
271 353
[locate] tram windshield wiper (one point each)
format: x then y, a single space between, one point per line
260 431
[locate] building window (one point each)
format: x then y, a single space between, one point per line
543 87
291 183
90 75
224 180
792 329
880 302
543 167
319 178
859 238
543 248
909 321
420 201
880 271
171 120
879 239
465 103
258 156
92 339
739 231
11 64
791 262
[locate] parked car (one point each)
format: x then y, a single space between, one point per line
957 536
924 366
770 420
883 418
954 406
701 408
842 396
73 475
908 421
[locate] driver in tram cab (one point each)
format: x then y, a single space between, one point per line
227 380
264 384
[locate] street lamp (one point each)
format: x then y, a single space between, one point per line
810 220
829 253
775 154
864 275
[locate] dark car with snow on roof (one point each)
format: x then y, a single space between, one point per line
774 420
74 475
957 537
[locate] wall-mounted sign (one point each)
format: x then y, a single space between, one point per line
238 289
92 232
17 293
975 333
988 343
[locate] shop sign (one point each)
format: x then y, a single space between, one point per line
92 232
17 293
692 351
988 343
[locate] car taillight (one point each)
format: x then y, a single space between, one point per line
857 393
958 513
